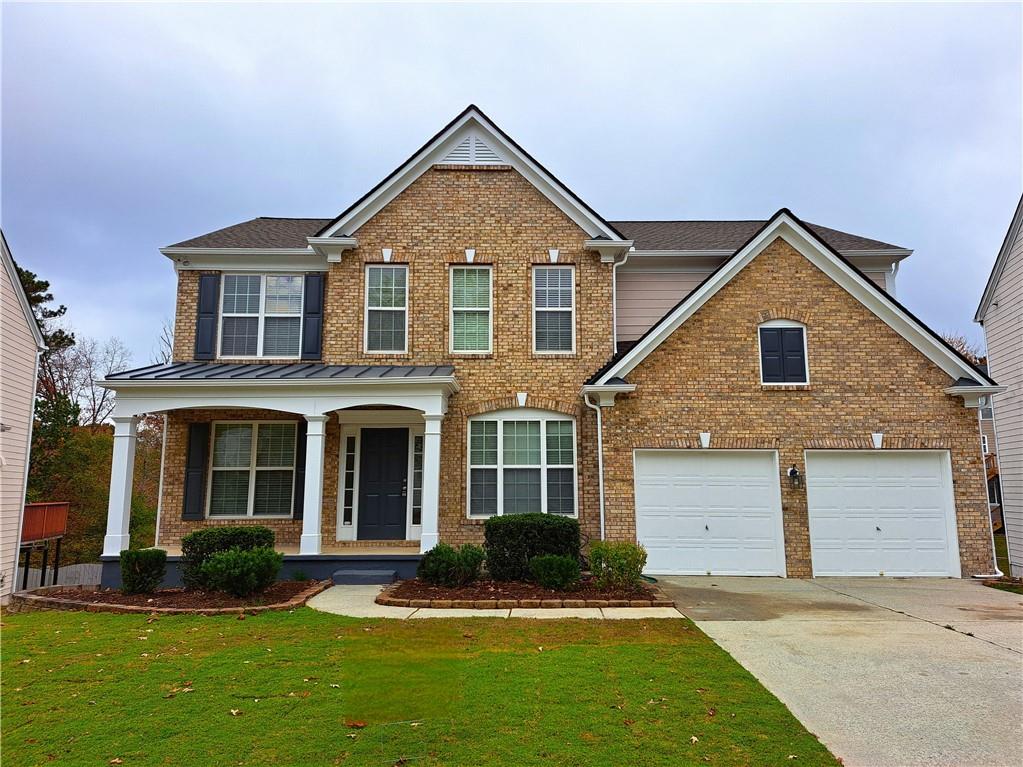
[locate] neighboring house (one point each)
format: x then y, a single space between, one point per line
470 338
989 446
20 346
1001 314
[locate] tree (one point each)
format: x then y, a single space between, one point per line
973 352
164 351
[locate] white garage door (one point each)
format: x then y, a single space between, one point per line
881 513
700 512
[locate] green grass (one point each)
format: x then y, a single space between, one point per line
1002 552
87 688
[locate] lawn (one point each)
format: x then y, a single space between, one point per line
307 688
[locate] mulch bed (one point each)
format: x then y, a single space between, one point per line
500 594
283 595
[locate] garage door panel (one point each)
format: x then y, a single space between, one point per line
874 513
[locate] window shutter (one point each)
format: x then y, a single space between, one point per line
770 355
299 494
793 357
196 460
206 317
312 318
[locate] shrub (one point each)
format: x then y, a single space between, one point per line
553 571
142 570
617 564
299 575
511 541
444 565
199 546
241 572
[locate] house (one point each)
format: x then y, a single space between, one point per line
470 338
989 446
21 343
1001 313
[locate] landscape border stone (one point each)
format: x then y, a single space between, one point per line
659 599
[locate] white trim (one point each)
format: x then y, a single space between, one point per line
571 310
252 469
783 323
451 308
1000 261
366 310
785 226
19 291
973 396
332 248
984 444
606 393
246 259
472 121
870 257
260 316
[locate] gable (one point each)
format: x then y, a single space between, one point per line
1011 250
786 226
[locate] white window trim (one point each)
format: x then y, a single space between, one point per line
252 469
521 414
261 316
760 352
366 308
451 309
570 310
984 443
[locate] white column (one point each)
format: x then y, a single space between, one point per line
122 469
431 483
312 500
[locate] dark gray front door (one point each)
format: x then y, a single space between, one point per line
383 484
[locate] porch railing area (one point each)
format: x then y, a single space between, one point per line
43 524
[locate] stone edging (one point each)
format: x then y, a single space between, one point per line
660 599
37 599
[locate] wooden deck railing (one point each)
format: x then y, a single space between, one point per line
44 521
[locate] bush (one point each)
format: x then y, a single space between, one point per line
444 565
511 541
142 570
299 575
199 546
617 564
241 572
553 571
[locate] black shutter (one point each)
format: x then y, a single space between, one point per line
196 461
299 495
794 356
206 317
312 317
770 355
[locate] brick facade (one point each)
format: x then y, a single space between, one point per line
864 378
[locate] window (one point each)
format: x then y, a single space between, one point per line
783 353
261 315
521 462
252 473
471 299
553 309
983 443
348 501
386 309
987 413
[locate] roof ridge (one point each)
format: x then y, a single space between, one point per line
292 218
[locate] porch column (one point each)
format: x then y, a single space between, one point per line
312 501
431 483
122 469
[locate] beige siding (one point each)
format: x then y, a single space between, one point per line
1003 326
647 288
17 386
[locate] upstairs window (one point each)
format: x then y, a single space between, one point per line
252 473
471 300
783 353
987 413
261 315
553 309
386 309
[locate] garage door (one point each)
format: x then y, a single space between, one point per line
701 512
881 513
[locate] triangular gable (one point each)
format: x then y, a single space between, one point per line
26 308
786 225
471 138
1000 261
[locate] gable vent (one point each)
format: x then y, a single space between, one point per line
472 150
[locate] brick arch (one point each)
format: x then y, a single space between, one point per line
511 402
784 313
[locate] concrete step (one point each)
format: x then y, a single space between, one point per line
364 577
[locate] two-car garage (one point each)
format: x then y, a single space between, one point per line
880 512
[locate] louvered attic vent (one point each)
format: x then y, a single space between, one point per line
472 150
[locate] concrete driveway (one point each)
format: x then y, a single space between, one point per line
897 672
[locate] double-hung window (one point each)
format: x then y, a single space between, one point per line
386 309
471 302
553 309
261 315
252 473
521 463
783 353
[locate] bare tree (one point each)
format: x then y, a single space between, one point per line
974 352
164 351
73 373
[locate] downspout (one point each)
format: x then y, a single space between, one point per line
600 458
614 311
983 462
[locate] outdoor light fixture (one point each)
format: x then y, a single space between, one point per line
795 478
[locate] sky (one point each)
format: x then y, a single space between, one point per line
128 127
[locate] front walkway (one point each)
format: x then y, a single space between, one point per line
357 602
884 671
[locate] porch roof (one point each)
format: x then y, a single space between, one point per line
304 371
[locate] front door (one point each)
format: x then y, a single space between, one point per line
383 484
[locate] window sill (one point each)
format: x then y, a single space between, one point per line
259 518
785 387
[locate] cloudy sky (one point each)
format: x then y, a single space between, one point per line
127 127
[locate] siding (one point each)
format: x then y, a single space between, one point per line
18 351
1003 327
647 291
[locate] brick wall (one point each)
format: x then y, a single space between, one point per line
864 378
